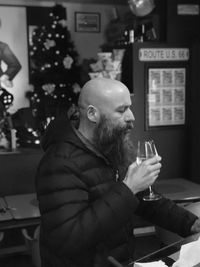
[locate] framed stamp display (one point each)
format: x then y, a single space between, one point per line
166 96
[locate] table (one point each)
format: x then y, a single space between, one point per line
5 215
21 211
170 253
23 206
178 189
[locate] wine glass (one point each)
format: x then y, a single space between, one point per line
145 150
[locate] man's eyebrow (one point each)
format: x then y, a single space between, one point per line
123 106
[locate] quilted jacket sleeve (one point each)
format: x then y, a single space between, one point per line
167 214
72 222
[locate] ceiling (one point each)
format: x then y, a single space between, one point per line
113 2
29 2
94 1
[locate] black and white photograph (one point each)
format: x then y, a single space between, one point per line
99 133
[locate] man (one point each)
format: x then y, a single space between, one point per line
89 185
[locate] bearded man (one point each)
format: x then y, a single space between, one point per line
89 186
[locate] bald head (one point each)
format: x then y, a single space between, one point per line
103 98
102 92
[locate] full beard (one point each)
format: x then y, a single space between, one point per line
114 142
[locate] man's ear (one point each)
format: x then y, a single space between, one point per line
92 113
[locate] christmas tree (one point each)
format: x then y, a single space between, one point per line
55 73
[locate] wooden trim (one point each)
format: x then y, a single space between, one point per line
39 3
13 250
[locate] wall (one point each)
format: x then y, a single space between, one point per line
86 44
18 171
171 142
187 31
194 134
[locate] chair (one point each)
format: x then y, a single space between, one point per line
1 236
32 244
194 208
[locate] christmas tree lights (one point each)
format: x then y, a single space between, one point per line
55 72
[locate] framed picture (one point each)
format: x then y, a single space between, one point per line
13 37
166 96
87 22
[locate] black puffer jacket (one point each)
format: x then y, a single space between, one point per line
86 215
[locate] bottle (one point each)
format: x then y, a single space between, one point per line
131 36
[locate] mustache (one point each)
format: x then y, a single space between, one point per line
129 125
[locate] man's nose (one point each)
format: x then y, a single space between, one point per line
129 115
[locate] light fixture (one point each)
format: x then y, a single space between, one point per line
141 8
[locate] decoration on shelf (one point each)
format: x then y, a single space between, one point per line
141 8
27 134
114 35
6 98
4 143
108 65
7 141
142 33
120 33
55 73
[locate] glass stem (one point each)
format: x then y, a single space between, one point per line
151 191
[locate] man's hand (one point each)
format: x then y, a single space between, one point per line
139 178
196 226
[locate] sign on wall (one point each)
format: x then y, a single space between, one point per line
163 54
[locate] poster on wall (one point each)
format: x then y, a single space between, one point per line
14 56
166 88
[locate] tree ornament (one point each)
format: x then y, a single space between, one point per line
67 62
49 43
63 23
49 88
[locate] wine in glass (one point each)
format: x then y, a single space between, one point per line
145 150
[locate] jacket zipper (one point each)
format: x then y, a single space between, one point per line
117 176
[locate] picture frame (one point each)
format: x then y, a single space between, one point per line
87 22
13 33
165 96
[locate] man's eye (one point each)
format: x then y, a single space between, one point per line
122 110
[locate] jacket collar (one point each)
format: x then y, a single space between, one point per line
89 145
